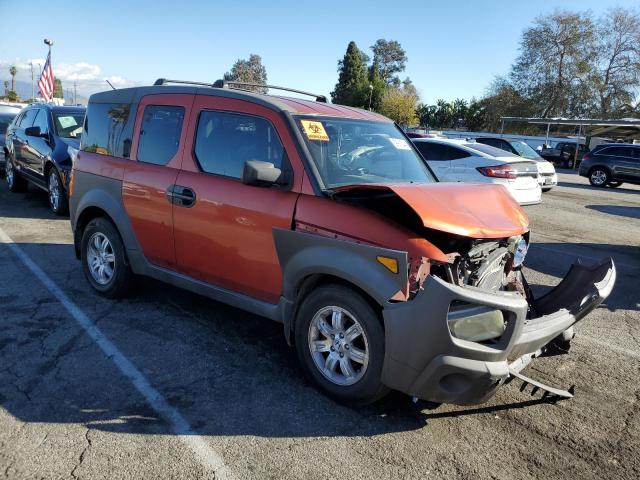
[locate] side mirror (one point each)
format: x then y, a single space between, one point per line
32 132
263 174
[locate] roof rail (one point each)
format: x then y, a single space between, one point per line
238 86
165 81
235 85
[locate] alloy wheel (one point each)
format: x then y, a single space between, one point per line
54 191
101 258
598 177
8 171
338 345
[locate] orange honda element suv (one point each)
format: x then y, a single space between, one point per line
324 218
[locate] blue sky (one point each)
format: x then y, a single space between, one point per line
455 48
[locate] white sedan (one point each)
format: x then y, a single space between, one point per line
548 176
467 161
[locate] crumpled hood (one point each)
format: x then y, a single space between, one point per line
476 210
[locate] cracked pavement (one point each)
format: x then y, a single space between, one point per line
66 411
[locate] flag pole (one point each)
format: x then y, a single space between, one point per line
49 42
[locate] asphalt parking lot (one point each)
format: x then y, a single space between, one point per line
70 410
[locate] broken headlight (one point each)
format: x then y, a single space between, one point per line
475 323
519 251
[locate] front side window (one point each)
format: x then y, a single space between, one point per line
347 152
524 150
489 150
28 118
68 124
160 133
42 121
225 141
108 129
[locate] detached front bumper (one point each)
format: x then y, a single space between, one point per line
423 359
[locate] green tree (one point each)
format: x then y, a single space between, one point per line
377 85
12 96
556 56
13 71
352 87
399 104
249 71
391 59
617 74
57 88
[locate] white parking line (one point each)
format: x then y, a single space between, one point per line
207 456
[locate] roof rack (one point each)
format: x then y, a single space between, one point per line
234 84
165 81
238 86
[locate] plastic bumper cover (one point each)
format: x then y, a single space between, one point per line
423 359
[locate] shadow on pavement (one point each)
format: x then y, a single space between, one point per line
34 203
622 211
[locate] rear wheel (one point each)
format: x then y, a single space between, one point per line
15 183
340 343
599 177
104 260
57 196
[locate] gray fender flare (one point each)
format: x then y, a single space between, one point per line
304 254
105 194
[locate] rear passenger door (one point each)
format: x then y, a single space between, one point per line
157 148
625 163
225 237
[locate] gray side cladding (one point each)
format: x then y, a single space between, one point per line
304 254
105 193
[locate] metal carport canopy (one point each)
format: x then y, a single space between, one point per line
624 127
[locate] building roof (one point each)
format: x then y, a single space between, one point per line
290 105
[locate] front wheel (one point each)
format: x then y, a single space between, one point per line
58 202
340 343
599 177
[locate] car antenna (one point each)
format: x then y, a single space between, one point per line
109 84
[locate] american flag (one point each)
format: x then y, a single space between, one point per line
45 85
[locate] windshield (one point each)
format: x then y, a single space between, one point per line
68 124
524 150
348 152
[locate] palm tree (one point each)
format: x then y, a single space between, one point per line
12 71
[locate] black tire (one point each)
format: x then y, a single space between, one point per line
369 387
547 189
15 183
120 281
614 184
61 207
599 176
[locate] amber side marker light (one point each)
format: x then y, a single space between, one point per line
390 263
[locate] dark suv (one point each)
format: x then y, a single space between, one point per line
612 164
564 154
39 146
324 218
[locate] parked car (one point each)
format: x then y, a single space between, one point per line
9 108
455 160
5 120
612 164
324 218
546 171
39 147
564 154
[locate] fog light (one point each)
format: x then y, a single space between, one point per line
475 322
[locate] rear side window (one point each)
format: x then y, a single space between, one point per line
108 128
160 133
225 141
433 151
617 151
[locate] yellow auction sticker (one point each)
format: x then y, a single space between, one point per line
314 130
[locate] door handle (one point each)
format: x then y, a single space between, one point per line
181 196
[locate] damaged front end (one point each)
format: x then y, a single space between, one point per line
470 323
